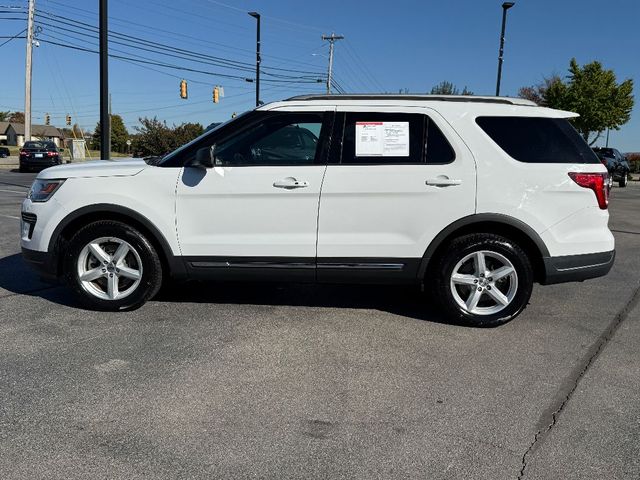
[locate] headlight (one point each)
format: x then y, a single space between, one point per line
43 190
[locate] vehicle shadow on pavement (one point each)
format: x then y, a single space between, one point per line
407 301
16 277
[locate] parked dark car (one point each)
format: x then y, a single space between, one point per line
4 152
37 155
616 163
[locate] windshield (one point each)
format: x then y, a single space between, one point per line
167 158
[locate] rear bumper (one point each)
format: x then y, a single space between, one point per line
39 162
576 268
43 262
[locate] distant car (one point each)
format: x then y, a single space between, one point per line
616 163
4 152
37 155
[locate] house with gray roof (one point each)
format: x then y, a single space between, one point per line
13 133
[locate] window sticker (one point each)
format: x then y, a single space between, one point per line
382 139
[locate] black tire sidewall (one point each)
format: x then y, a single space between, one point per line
463 246
151 267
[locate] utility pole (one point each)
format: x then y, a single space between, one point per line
105 121
332 39
256 15
27 73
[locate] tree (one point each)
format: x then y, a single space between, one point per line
536 93
156 138
593 93
448 88
186 132
4 116
119 135
16 117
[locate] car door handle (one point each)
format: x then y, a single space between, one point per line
443 181
290 183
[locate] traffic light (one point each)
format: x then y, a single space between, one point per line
47 119
216 94
183 89
68 119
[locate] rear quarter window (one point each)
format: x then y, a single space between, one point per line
537 139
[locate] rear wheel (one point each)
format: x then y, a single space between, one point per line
483 280
623 180
112 266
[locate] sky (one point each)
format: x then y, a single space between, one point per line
388 46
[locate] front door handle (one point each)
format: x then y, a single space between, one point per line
443 181
290 183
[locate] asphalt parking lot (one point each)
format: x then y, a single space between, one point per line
267 381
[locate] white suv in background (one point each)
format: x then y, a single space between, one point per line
477 197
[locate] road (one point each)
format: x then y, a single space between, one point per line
266 381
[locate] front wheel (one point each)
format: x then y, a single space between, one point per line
483 280
112 266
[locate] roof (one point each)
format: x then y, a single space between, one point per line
37 130
419 98
3 127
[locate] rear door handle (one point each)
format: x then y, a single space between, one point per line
290 183
443 181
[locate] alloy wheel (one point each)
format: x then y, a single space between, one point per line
484 282
109 268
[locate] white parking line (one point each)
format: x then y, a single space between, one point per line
12 191
9 216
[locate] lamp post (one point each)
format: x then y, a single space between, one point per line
505 6
105 118
256 15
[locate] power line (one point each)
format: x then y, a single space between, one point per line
151 46
17 35
155 30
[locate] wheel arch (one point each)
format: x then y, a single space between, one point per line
510 227
91 213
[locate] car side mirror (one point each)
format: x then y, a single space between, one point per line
204 158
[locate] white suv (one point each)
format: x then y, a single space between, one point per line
477 197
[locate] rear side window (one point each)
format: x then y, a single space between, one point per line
393 138
538 140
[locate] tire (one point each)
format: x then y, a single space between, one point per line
116 284
22 169
456 296
623 181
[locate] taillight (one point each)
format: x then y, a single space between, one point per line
51 154
596 182
24 152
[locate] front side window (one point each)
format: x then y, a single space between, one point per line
538 139
270 139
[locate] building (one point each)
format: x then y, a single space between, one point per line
13 134
3 133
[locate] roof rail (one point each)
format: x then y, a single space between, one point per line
436 98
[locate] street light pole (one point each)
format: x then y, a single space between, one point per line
256 15
105 120
505 6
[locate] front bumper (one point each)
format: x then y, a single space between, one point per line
44 263
576 268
